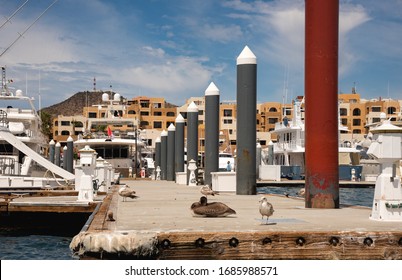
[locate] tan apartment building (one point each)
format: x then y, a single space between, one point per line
152 115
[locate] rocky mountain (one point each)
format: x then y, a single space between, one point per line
73 105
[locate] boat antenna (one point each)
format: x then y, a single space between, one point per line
10 17
285 89
26 30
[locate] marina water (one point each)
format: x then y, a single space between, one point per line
40 246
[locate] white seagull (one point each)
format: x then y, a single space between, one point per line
206 190
125 192
266 209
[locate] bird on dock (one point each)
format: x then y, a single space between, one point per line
266 209
213 209
125 191
301 192
110 216
206 190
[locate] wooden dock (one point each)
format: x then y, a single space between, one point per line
159 225
46 210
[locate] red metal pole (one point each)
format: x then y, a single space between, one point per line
321 105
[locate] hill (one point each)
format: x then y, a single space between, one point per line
74 105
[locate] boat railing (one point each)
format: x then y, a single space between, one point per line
11 110
102 135
289 145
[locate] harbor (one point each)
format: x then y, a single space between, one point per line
160 225
144 179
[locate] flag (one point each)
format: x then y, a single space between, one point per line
109 131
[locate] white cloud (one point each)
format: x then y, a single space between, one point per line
181 75
220 33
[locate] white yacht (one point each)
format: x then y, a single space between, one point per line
289 149
115 146
19 117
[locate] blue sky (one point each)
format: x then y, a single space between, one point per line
174 49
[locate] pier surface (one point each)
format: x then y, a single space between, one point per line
160 225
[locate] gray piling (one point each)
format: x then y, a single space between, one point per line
246 123
170 173
211 132
57 154
258 160
157 153
179 144
163 154
270 153
51 150
192 136
65 157
70 154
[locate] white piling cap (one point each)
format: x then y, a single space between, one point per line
70 139
157 140
171 127
212 89
246 57
164 133
58 144
52 142
179 119
192 107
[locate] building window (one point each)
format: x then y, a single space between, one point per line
375 109
200 112
144 113
56 123
375 120
273 109
272 120
131 112
157 113
391 110
356 122
65 132
227 113
144 103
157 124
343 111
344 121
230 131
356 112
65 123
170 114
227 121
357 131
78 124
144 123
